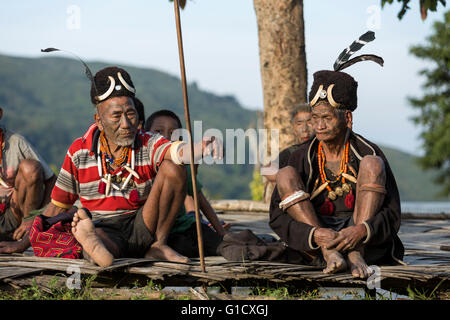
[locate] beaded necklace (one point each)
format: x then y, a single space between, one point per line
107 154
327 207
125 163
338 191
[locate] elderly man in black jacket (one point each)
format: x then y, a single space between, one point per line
337 199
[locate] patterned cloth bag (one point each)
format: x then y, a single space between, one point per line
52 237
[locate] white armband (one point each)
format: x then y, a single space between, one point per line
293 199
175 152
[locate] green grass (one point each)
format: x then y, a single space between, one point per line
53 290
285 293
423 294
56 289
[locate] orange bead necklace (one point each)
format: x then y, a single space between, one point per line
338 191
107 157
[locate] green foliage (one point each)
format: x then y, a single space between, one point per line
413 182
423 294
434 105
151 286
55 289
425 5
285 292
227 181
281 293
33 292
257 186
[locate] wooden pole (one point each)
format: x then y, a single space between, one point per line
188 127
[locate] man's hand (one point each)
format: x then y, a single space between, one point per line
348 238
212 145
322 236
22 230
14 246
208 146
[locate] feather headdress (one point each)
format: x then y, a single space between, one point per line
342 61
87 71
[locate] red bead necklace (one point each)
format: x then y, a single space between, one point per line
328 207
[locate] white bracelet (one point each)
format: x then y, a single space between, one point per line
295 195
369 233
310 239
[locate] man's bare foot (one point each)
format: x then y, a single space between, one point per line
335 261
160 251
84 231
358 265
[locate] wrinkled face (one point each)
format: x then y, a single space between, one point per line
327 124
302 126
118 118
164 125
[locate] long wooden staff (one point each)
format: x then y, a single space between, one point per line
188 127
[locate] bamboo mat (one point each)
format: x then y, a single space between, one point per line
220 272
427 264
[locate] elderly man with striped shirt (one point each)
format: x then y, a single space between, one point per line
131 182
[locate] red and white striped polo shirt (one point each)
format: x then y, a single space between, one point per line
79 176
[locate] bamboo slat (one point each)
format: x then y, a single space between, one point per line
258 206
13 272
240 205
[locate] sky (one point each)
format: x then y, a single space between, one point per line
221 48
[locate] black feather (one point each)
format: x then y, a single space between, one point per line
355 46
363 57
87 71
49 50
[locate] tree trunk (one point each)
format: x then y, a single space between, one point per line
282 62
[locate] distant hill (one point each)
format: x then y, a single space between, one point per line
414 183
47 101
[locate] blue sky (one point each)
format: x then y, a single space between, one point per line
221 47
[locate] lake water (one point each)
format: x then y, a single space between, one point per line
426 207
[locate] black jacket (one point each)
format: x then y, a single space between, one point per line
384 244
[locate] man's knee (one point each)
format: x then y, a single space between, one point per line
31 171
285 174
288 181
174 173
373 167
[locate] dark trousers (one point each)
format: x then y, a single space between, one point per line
185 242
